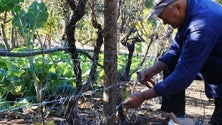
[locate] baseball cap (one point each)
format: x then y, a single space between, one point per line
158 6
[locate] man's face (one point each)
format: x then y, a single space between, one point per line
173 16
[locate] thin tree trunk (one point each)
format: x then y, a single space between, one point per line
110 61
71 112
95 58
99 41
78 12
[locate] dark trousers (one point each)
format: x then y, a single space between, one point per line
216 118
173 103
176 103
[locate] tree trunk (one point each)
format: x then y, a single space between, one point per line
78 13
71 113
92 75
110 61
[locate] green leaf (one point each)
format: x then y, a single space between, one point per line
7 5
3 73
152 22
3 64
35 18
19 21
4 104
148 3
22 102
138 47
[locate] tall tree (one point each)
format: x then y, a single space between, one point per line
110 61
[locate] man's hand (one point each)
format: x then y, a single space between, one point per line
143 79
134 100
144 76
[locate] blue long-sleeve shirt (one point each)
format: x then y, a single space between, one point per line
197 47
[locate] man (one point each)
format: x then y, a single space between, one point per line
197 47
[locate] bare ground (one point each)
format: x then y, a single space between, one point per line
198 108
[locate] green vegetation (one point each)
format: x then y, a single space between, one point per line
27 26
16 75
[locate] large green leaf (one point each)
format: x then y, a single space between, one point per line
35 18
20 21
7 5
37 15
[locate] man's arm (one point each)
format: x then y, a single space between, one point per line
153 70
136 99
167 61
197 47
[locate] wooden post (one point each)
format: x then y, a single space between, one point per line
110 61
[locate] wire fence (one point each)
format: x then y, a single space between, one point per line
51 77
22 84
41 89
40 86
